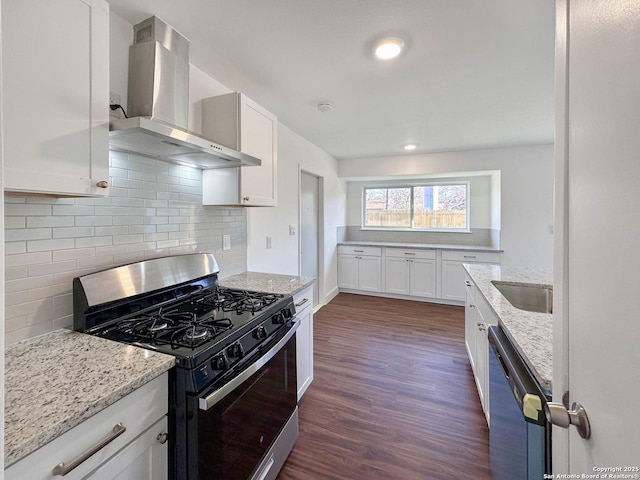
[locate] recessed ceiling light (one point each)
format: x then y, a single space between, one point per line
410 146
388 48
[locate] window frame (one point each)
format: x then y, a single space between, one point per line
412 185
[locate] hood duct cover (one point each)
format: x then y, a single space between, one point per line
158 104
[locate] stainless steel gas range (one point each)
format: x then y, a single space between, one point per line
233 411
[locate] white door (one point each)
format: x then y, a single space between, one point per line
597 266
309 197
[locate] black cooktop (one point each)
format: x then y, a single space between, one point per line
196 328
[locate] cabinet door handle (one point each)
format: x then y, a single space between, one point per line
162 438
61 469
245 199
102 184
469 256
482 327
302 302
468 284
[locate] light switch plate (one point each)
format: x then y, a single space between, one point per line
268 242
292 229
226 242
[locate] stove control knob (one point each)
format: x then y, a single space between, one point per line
218 362
235 350
260 333
277 319
287 313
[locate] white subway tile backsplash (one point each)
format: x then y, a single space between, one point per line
22 209
26 284
14 235
61 255
22 259
153 209
73 232
38 222
16 222
48 245
72 210
93 242
92 221
47 268
122 239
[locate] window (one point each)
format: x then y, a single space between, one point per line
419 207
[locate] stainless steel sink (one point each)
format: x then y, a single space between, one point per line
533 298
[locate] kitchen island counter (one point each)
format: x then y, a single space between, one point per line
55 381
531 333
267 282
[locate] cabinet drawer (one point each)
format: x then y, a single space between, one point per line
471 256
355 250
410 253
136 412
303 299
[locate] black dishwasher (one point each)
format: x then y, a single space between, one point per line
519 434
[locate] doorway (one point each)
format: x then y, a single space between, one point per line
310 230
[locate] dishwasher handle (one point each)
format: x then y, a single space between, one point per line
528 394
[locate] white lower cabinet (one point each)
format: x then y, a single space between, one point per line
304 339
478 318
452 272
360 268
143 459
410 272
128 441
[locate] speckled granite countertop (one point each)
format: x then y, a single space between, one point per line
530 332
426 246
55 381
267 282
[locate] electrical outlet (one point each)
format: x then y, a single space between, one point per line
268 242
114 99
292 229
226 242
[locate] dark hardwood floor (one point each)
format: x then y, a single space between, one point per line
393 396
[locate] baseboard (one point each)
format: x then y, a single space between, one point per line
332 294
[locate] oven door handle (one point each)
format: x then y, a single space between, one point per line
210 400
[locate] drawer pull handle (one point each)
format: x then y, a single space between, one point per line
302 302
409 253
61 469
469 256
359 251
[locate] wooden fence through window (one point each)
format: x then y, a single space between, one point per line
426 219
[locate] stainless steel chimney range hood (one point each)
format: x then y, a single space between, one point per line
158 104
154 139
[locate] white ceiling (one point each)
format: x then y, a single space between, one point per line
475 74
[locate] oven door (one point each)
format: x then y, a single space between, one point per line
231 427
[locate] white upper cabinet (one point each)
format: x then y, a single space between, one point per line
237 122
55 96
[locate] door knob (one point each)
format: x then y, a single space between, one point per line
558 415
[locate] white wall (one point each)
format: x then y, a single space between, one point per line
526 194
295 154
